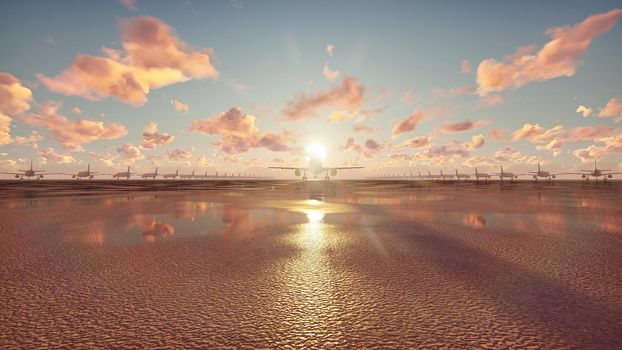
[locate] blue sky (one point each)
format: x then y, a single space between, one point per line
405 57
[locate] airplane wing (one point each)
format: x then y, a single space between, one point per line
343 168
288 168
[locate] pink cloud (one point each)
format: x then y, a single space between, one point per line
130 4
14 99
72 134
179 155
584 111
363 129
555 146
465 67
239 133
153 138
180 107
408 124
367 149
613 108
419 141
559 57
349 95
129 153
465 125
607 146
497 134
50 155
535 133
477 141
153 57
329 74
489 101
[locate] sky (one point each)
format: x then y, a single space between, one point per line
240 85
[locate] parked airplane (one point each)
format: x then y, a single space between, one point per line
540 173
28 173
503 174
462 176
443 176
125 174
202 177
87 173
172 175
596 173
151 175
315 165
482 175
187 176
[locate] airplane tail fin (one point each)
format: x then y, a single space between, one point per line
502 168
31 164
476 171
177 171
538 166
128 168
456 172
88 167
156 170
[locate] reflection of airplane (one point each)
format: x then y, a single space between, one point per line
443 176
503 174
151 175
595 173
462 176
482 175
37 174
87 173
125 174
187 176
541 173
316 154
172 175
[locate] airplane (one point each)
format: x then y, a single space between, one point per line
87 173
125 174
315 166
37 174
541 173
503 174
443 176
187 176
595 173
202 177
478 175
430 176
462 176
150 175
172 175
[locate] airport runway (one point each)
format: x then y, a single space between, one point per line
287 264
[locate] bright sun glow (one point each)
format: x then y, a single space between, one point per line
315 150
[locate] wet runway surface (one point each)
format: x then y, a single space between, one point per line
281 264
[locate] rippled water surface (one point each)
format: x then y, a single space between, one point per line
339 265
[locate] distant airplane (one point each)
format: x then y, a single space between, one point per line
28 173
187 176
87 173
125 174
315 165
462 176
172 175
540 173
595 173
151 175
503 174
482 175
202 177
445 176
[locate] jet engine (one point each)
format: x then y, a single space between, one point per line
16 176
333 172
91 177
41 176
535 177
297 172
553 176
610 176
583 176
73 176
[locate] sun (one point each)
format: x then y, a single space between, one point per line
316 151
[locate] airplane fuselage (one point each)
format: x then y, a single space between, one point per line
122 174
170 176
149 175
